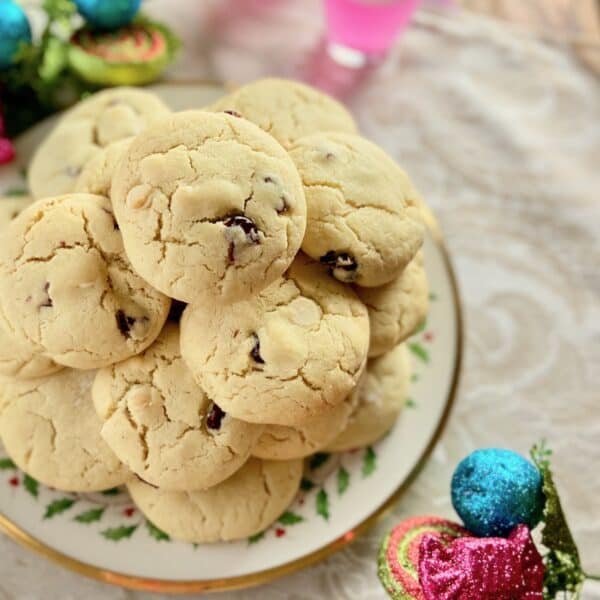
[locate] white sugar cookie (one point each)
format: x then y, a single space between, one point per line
284 356
381 396
240 507
50 429
162 425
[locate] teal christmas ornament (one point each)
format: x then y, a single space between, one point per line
14 31
108 14
494 490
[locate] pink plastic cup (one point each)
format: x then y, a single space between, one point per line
369 27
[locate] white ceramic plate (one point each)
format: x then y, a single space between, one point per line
104 536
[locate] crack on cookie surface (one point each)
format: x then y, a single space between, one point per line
310 331
50 429
169 414
113 295
252 214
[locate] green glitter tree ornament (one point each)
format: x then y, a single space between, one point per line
564 572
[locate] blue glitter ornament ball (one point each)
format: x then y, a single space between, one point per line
494 490
14 30
108 14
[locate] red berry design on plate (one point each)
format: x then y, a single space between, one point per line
14 482
129 512
279 532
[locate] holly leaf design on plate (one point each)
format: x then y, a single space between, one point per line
158 534
410 403
116 534
290 518
343 480
318 460
419 352
7 464
323 504
56 507
112 492
253 539
369 462
31 485
16 191
90 516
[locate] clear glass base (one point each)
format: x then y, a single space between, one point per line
346 56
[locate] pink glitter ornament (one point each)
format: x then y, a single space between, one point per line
7 150
481 568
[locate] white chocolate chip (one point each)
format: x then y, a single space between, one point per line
305 312
139 196
139 399
373 397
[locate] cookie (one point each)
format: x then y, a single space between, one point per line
11 207
5 381
17 359
51 431
94 123
279 442
209 205
161 424
359 223
240 507
284 356
396 309
287 110
97 174
67 289
381 395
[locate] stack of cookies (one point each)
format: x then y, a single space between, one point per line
192 303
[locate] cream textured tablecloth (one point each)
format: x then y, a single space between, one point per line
501 132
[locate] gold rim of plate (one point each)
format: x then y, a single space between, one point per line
261 577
